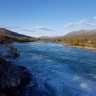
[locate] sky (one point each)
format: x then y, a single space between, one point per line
47 17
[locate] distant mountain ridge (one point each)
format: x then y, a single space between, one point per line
50 37
11 33
81 34
74 34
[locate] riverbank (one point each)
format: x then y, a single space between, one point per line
87 43
12 78
83 47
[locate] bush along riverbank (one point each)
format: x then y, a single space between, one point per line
12 78
87 43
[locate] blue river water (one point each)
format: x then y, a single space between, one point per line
58 70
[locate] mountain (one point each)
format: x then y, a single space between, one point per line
81 34
49 37
8 32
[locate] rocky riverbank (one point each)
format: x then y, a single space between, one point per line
12 78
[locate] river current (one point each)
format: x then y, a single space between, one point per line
57 70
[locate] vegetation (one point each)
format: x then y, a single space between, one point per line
83 38
25 39
6 40
76 42
10 51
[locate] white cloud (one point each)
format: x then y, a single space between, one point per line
27 30
94 17
90 24
69 25
76 23
81 22
44 28
10 27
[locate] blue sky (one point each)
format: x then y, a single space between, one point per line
47 17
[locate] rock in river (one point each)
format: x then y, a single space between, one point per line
12 77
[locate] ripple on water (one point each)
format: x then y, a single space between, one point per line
59 70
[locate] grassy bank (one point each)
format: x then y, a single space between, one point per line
88 43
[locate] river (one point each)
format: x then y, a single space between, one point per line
58 70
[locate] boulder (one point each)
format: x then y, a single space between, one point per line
12 77
1 94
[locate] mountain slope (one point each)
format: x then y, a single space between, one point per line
8 32
81 34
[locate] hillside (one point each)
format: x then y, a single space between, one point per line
8 32
8 39
81 34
